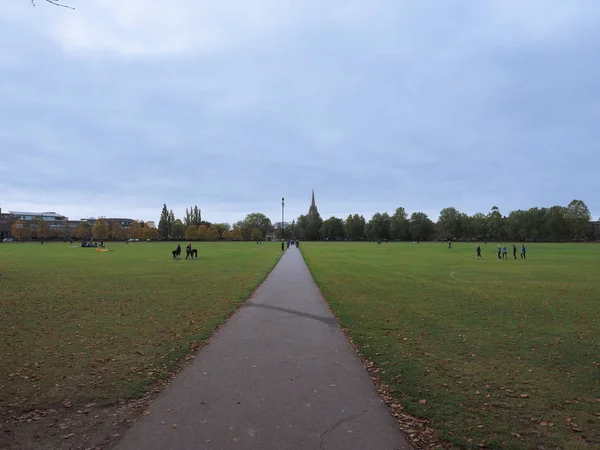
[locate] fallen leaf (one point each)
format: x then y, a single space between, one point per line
423 401
67 436
524 395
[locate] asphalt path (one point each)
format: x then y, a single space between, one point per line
279 374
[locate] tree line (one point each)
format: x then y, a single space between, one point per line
556 223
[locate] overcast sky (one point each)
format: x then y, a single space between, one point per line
120 106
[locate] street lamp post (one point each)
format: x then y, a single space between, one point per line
282 204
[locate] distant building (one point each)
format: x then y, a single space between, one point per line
46 216
6 222
58 224
125 223
595 230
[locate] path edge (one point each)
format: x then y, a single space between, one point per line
416 431
139 405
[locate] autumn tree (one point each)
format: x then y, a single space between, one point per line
213 233
191 232
226 235
135 230
116 231
19 230
222 227
100 229
203 233
149 232
82 231
42 229
236 234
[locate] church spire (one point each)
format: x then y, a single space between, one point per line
313 199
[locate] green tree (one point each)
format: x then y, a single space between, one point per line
378 227
256 235
399 225
255 220
578 218
516 225
354 227
494 224
197 216
314 223
479 226
301 225
193 216
449 222
333 229
163 223
536 222
100 229
421 227
177 229
557 227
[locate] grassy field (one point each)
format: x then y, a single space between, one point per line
502 354
82 326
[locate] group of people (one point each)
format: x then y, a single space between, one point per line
503 252
189 252
92 243
292 242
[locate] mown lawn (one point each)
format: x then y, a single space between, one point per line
78 325
499 354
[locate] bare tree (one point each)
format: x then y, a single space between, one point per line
55 3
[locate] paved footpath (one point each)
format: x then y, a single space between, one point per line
279 374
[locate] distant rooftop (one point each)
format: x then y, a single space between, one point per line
25 213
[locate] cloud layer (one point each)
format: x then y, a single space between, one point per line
118 107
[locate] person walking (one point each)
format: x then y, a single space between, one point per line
504 253
523 252
479 252
499 252
514 249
